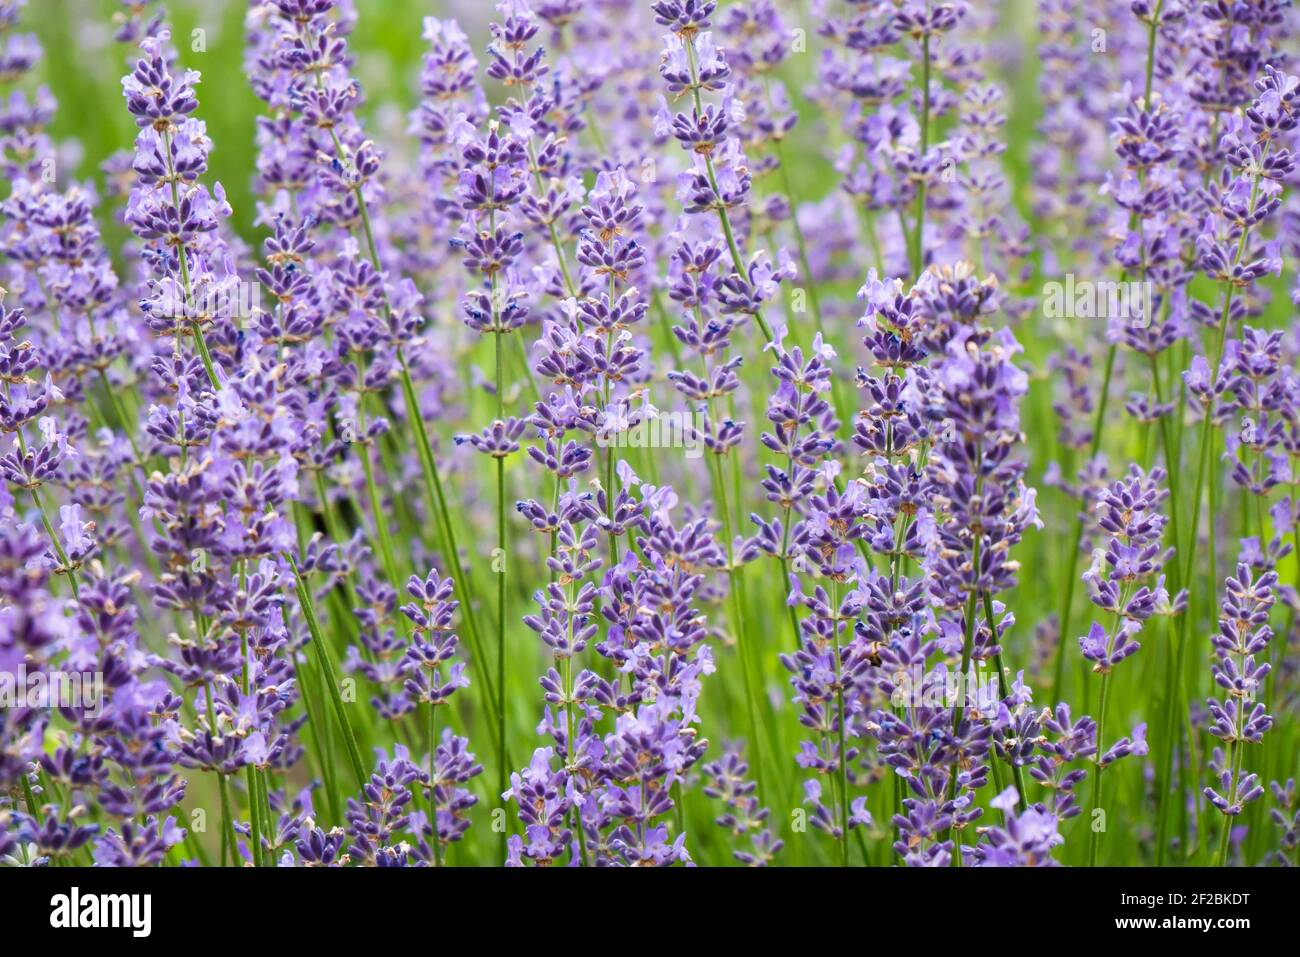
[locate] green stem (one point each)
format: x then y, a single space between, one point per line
1234 757
842 765
33 808
1095 836
1005 677
438 503
737 260
59 553
1174 704
434 839
227 825
328 674
502 773
738 614
917 255
326 765
1072 561
254 816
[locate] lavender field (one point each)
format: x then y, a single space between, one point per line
589 433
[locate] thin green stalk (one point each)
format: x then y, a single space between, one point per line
737 260
1207 440
434 838
196 328
33 808
1072 560
502 773
1174 704
227 827
916 256
1004 676
428 464
323 763
609 450
328 674
800 241
959 712
438 503
738 614
268 819
1099 421
570 721
1221 860
842 765
254 816
227 823
250 773
1095 836
502 571
56 544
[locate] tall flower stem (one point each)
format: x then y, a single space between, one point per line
785 546
735 583
735 580
842 764
196 328
304 593
609 450
1238 660
805 264
201 346
428 463
959 712
502 570
1234 757
967 647
800 240
737 260
1094 838
228 843
570 720
451 549
315 721
254 815
33 806
1204 456
896 568
55 544
383 536
1103 398
329 675
1174 692
502 775
434 839
251 773
560 257
916 256
1072 560
1004 677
